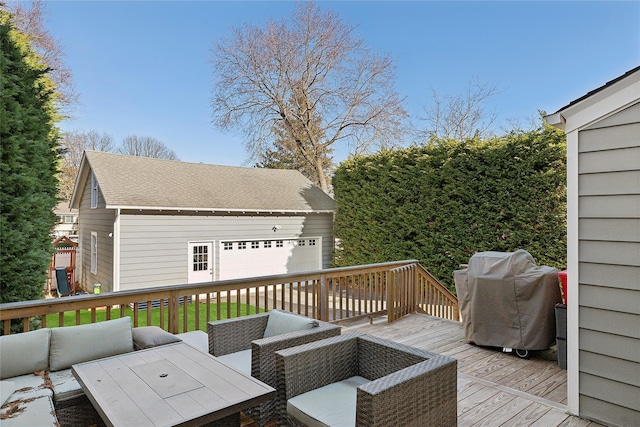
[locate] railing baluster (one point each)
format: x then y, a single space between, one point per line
332 294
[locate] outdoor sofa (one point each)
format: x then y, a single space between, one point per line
357 379
249 344
36 383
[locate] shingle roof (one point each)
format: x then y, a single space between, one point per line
141 182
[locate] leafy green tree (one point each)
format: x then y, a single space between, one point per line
28 162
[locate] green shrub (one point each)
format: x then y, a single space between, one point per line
445 201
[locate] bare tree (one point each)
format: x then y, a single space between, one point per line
31 21
309 83
72 147
460 116
146 146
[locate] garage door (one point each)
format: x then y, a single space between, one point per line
252 258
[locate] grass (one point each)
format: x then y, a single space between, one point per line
101 315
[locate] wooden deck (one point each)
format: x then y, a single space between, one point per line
494 388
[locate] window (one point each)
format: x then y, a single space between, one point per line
94 252
312 242
301 242
94 191
255 245
279 243
267 243
242 245
228 246
200 258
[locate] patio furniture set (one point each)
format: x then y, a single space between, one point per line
273 366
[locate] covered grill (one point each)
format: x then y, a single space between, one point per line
507 301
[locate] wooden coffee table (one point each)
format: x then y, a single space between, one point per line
169 385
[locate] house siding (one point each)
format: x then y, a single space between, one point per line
609 268
99 220
153 246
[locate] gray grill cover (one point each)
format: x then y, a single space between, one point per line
507 301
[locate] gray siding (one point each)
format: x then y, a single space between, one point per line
609 264
101 221
153 247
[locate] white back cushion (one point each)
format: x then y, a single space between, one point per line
76 344
24 353
281 322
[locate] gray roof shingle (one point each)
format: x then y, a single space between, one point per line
142 182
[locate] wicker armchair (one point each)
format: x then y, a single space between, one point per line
243 333
406 387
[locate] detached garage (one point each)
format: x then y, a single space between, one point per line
149 222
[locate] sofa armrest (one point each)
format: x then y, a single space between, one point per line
232 335
421 394
263 363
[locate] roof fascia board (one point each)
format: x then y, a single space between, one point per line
81 180
216 210
600 105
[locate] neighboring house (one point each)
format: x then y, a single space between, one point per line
603 236
67 220
148 222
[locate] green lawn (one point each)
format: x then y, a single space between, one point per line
101 315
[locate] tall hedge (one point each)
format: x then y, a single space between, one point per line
445 201
28 159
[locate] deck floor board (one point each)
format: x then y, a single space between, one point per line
494 388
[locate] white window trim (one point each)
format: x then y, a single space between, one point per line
94 252
94 191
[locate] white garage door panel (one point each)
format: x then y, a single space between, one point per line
243 259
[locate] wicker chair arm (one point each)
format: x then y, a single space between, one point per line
232 335
421 394
263 364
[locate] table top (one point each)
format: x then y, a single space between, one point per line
169 385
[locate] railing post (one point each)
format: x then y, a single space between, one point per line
174 308
323 299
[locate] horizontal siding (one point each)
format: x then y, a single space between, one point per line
101 221
626 206
602 184
616 346
614 322
614 276
624 395
154 248
604 139
610 160
616 415
616 253
606 298
615 230
619 370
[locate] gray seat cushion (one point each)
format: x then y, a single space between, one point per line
6 390
29 412
197 339
333 405
24 353
65 386
240 361
29 386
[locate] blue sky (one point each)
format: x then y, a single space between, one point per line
143 67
